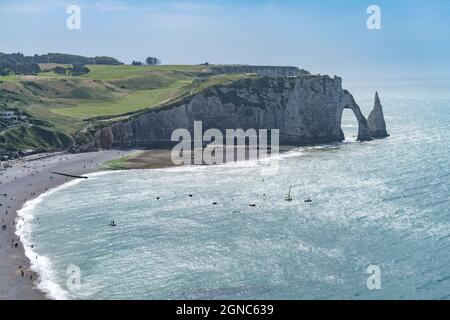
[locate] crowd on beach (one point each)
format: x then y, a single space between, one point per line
15 241
30 168
16 169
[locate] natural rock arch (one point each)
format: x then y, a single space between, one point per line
363 125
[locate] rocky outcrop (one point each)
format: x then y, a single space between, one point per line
306 110
104 138
377 124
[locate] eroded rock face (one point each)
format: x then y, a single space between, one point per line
104 138
306 110
377 124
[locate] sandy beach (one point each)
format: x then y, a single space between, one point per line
24 180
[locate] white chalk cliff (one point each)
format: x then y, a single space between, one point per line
307 109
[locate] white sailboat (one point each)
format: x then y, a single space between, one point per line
288 197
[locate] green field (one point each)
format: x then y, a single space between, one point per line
132 102
11 78
98 72
61 106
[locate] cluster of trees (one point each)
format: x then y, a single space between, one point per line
74 59
60 58
75 70
19 69
150 61
18 63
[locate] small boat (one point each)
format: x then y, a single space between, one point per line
288 197
112 224
307 200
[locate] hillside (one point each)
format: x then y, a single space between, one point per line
59 107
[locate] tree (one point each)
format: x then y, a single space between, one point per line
4 71
136 63
79 70
151 61
59 70
32 69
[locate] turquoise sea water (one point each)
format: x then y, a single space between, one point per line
383 203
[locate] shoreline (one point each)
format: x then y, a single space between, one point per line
23 181
30 178
41 264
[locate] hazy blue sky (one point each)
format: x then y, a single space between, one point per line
327 37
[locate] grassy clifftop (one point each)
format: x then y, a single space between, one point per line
59 107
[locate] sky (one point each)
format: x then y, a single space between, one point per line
322 36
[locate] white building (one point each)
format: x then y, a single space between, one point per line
8 116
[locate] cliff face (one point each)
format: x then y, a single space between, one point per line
306 110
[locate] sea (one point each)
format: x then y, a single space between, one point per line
378 226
